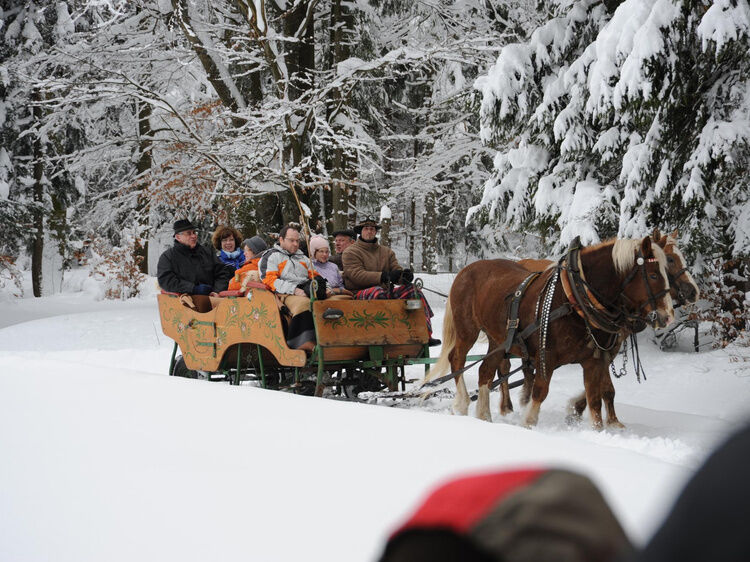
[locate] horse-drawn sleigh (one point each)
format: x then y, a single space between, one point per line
578 310
361 345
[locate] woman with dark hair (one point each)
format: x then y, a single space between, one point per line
227 242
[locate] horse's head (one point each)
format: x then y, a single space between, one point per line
645 285
682 286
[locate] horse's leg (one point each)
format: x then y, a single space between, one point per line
593 370
538 394
490 365
608 394
461 402
506 405
576 406
483 403
457 360
528 383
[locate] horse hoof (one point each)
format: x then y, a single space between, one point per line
572 419
615 424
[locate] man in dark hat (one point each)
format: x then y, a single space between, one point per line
371 271
189 268
342 239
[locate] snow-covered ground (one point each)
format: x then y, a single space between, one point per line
105 457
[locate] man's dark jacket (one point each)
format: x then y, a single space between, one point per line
181 269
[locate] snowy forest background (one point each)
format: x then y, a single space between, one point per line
478 126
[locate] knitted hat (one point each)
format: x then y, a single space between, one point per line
183 225
316 243
520 516
256 245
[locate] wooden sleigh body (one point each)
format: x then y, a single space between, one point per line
361 345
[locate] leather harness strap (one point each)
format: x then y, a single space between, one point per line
568 289
583 300
515 304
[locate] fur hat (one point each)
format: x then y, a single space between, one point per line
256 244
182 225
317 242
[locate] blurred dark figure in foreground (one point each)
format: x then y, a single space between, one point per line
555 515
512 516
710 519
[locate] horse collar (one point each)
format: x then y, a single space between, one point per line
581 296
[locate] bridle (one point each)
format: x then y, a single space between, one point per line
673 277
641 261
588 302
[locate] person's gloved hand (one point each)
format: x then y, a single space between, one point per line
407 276
202 289
384 276
395 276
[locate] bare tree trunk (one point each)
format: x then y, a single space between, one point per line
385 232
37 247
300 56
300 63
429 234
260 215
412 231
143 168
223 89
342 23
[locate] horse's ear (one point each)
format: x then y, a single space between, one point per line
675 234
646 247
656 235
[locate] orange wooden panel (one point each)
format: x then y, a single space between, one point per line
373 322
203 338
345 353
410 350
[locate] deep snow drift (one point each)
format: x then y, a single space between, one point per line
105 457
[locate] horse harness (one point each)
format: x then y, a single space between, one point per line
581 298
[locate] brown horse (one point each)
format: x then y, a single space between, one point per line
682 289
618 283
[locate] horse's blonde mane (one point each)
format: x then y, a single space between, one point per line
623 255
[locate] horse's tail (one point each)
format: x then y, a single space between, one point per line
442 366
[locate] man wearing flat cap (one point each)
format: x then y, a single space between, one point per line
342 239
371 271
189 268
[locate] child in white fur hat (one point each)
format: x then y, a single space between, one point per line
319 252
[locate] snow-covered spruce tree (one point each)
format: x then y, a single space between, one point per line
613 123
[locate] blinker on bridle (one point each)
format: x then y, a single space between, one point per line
641 262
